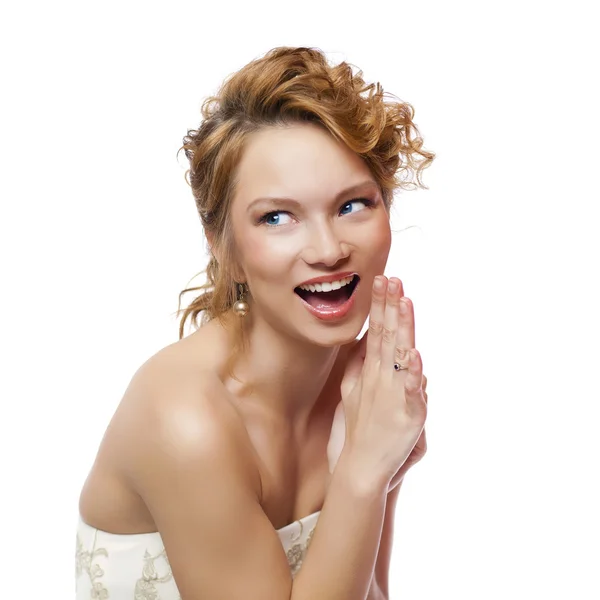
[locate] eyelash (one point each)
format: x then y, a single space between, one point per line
262 220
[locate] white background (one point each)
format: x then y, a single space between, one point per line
98 235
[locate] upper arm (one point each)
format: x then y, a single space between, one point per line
191 470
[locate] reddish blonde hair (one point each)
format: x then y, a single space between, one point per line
286 86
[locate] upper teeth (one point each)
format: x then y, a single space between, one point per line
327 287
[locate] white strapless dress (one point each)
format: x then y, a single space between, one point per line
111 566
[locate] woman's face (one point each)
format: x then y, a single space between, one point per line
308 207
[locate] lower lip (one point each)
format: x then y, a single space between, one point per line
331 314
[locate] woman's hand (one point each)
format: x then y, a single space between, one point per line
379 422
418 452
338 436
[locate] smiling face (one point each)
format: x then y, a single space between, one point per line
325 216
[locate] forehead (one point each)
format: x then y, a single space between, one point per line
301 161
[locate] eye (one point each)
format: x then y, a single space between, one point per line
272 219
364 201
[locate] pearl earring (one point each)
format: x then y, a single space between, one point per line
241 307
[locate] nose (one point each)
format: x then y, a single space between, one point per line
325 247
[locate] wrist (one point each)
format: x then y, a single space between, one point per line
365 482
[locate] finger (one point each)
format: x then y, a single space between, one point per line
413 383
391 321
401 292
376 320
405 337
358 347
424 384
361 346
354 366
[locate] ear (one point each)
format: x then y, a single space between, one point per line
211 241
237 273
238 276
213 248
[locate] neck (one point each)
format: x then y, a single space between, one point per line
281 377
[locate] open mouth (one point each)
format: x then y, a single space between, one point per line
328 299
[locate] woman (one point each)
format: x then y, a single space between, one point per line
270 428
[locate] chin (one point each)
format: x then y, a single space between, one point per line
330 337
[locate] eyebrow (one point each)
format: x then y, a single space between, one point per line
274 200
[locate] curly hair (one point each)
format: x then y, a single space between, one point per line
287 86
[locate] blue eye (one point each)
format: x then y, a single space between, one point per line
360 200
272 219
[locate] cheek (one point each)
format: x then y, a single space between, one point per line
383 237
267 257
377 238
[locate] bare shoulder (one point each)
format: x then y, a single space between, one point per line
177 406
191 462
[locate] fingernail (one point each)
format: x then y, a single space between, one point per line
393 287
378 284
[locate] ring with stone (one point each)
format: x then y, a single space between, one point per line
402 359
